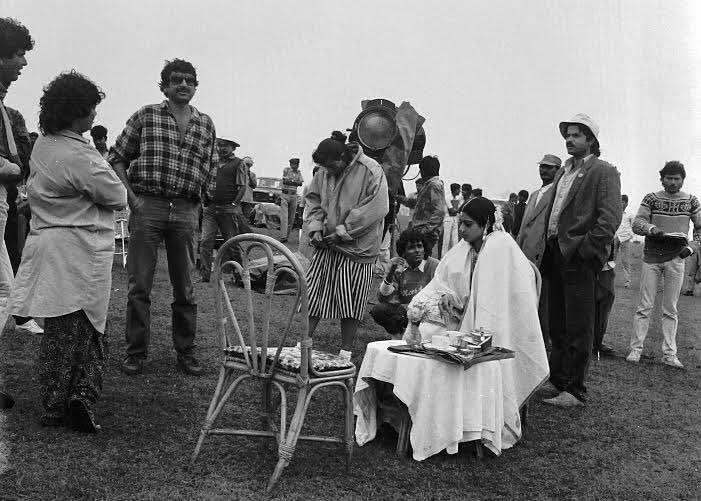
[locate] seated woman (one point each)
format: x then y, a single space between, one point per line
486 281
409 273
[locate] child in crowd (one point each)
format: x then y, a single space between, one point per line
408 274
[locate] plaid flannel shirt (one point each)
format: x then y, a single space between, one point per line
159 165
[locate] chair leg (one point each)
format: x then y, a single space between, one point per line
350 435
216 406
287 447
212 405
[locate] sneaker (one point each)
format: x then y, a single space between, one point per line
672 361
133 365
189 365
564 399
31 326
633 356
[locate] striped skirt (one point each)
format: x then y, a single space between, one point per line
338 287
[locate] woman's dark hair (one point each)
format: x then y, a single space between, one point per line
454 187
176 65
410 236
429 166
672 168
14 37
68 97
329 150
481 210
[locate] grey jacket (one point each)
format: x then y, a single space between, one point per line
531 236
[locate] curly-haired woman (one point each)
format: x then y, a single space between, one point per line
65 275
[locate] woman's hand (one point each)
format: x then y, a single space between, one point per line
317 240
449 308
136 203
332 239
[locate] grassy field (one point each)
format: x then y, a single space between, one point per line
638 438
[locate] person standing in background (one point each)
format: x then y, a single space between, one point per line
99 139
450 223
15 148
663 218
66 274
15 42
624 240
430 205
169 150
247 203
519 209
291 179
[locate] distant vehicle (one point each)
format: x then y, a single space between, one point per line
269 190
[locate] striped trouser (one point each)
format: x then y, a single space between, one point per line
338 286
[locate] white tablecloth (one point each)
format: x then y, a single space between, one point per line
447 404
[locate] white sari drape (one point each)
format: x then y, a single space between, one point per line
504 300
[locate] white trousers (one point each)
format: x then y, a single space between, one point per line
673 274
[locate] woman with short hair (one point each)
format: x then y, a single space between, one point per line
66 271
347 203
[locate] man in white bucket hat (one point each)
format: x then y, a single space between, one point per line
582 219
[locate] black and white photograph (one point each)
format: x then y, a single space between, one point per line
393 249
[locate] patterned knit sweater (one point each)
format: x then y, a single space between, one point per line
670 213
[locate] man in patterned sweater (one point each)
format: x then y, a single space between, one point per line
661 214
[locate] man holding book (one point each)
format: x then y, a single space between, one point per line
663 218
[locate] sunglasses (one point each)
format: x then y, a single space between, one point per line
177 79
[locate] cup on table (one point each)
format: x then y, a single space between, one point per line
454 338
440 341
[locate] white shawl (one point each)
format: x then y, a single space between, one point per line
504 300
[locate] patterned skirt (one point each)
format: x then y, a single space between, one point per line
338 287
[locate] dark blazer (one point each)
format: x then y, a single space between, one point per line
531 236
591 213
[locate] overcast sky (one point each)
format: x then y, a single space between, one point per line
492 78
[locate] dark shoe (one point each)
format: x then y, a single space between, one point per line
202 280
81 417
133 365
283 240
6 400
52 419
189 365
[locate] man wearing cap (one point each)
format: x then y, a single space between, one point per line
582 218
291 179
531 235
223 211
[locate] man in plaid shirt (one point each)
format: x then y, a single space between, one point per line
167 159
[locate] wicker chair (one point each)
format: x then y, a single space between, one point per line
274 366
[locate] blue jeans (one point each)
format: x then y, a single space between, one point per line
175 222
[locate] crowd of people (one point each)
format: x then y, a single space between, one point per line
463 262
